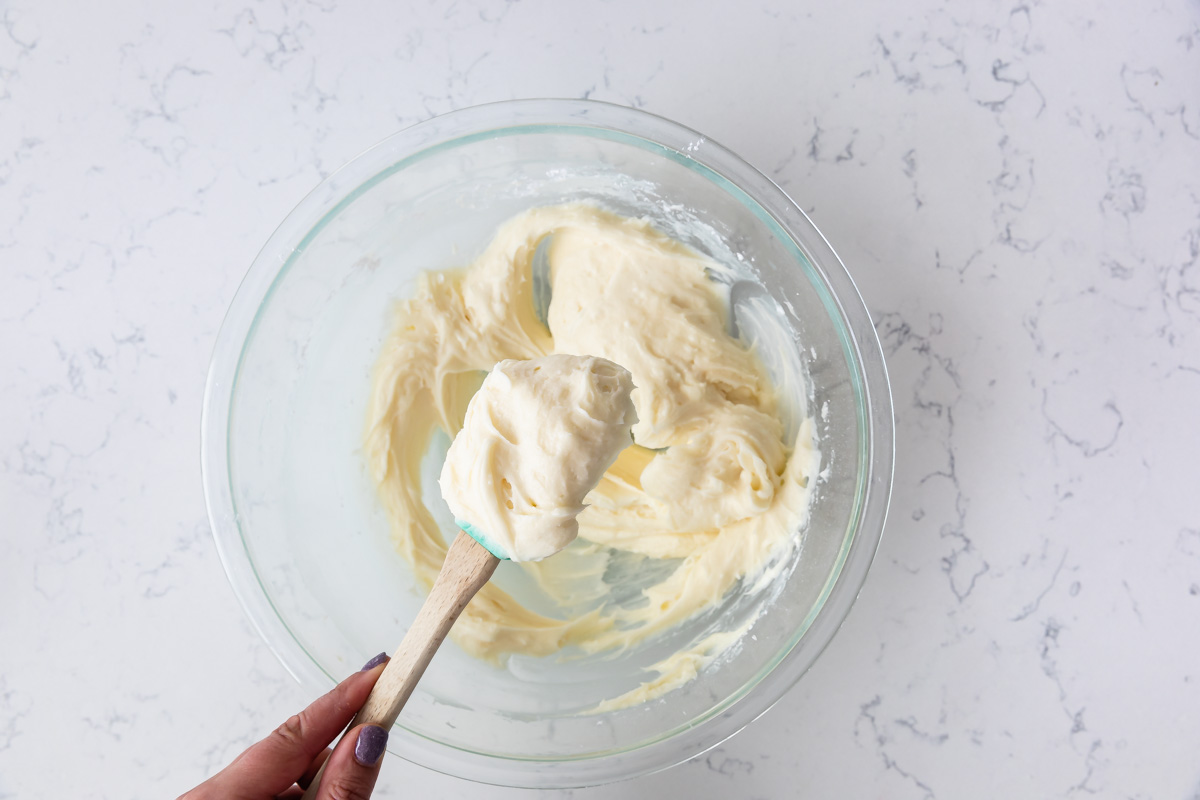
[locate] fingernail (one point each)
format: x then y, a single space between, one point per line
372 741
374 662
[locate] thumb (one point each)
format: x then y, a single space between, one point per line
351 771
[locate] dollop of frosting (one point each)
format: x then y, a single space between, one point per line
538 435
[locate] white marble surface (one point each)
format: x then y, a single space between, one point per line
1015 186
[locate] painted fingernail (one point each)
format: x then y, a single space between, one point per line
372 741
374 662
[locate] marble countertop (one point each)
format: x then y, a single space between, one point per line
1015 187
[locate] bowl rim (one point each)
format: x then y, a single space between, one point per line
868 372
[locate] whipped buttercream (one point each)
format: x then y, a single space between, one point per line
536 438
713 488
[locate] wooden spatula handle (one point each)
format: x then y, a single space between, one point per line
467 568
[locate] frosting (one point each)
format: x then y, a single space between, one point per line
536 438
713 487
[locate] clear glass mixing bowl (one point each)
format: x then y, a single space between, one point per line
304 542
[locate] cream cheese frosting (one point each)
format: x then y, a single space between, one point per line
713 486
536 438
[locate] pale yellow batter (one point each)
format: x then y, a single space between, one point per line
537 438
710 481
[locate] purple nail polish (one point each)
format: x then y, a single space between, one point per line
368 749
374 662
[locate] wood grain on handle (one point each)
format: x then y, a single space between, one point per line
467 567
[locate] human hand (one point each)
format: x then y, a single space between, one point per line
281 766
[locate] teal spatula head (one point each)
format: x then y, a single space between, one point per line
482 537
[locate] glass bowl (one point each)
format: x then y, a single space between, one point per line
294 514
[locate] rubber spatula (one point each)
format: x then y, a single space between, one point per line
467 567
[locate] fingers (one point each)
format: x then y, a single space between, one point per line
351 771
297 792
271 766
313 768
